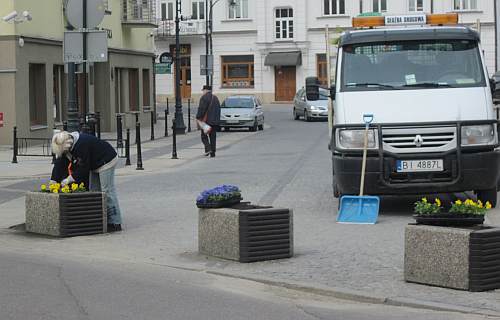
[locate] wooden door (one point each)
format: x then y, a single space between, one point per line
285 83
185 77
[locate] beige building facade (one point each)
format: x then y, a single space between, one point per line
33 76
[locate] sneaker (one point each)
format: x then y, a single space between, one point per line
114 227
207 153
212 155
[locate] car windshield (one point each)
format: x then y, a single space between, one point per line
237 102
323 94
412 65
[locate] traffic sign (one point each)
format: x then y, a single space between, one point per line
163 68
97 46
95 13
206 64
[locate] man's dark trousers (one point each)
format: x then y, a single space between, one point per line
210 141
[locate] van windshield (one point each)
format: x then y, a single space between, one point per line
412 65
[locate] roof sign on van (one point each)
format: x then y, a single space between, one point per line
431 19
405 20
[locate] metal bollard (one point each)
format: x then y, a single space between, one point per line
119 133
189 115
98 123
174 140
166 123
65 125
127 149
136 113
152 125
15 147
138 142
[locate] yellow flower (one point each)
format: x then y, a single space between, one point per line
424 200
74 187
55 191
458 202
479 204
438 202
43 187
488 205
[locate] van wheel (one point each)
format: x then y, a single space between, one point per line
488 195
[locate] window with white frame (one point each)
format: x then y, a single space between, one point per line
379 5
239 10
465 5
284 23
167 11
415 5
332 7
198 10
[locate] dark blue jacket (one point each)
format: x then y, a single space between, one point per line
89 153
210 106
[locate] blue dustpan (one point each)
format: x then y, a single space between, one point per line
360 209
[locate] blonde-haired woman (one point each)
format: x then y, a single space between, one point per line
82 157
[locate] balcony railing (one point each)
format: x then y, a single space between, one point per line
139 13
187 28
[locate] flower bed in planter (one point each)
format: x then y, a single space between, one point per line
219 197
461 214
65 212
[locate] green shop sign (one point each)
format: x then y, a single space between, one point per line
163 68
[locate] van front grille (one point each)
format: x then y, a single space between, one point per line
419 139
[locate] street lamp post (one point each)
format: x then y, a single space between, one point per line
179 126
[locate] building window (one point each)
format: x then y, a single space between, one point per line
37 94
322 69
380 5
238 71
416 5
284 23
133 89
59 93
332 7
198 10
465 5
239 10
167 11
146 88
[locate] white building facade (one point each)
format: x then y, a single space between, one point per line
269 47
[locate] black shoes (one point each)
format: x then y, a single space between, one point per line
114 227
207 153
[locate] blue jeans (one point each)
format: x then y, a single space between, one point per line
105 181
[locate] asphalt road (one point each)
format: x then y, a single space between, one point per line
35 288
286 165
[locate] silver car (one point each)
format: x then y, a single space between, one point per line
310 110
242 112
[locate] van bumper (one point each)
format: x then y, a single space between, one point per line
478 171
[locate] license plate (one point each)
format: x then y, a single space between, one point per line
419 165
232 121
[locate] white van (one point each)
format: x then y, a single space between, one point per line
435 128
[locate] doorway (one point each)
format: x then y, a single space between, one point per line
285 83
185 72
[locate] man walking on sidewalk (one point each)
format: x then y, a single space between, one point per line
209 112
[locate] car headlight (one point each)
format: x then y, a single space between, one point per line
355 139
314 108
478 135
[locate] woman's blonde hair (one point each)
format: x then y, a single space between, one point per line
61 143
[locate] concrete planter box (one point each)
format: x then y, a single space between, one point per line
458 258
246 235
66 215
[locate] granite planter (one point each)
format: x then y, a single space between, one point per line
246 235
66 214
457 258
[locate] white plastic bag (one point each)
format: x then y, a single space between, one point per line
205 127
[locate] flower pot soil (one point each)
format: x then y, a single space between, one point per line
450 220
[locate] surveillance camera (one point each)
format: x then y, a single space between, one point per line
11 16
151 34
27 16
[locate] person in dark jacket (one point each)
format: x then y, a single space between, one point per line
209 112
82 157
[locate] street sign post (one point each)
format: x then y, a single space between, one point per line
206 64
97 46
95 13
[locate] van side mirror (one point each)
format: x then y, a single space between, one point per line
332 92
312 88
495 87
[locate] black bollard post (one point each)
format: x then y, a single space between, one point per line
174 140
65 125
138 142
189 115
15 146
127 149
98 123
136 113
152 125
119 133
166 122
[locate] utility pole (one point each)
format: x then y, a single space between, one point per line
180 127
211 39
85 108
207 20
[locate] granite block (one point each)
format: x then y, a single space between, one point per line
64 215
218 233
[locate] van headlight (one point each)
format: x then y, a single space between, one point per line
355 139
478 135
